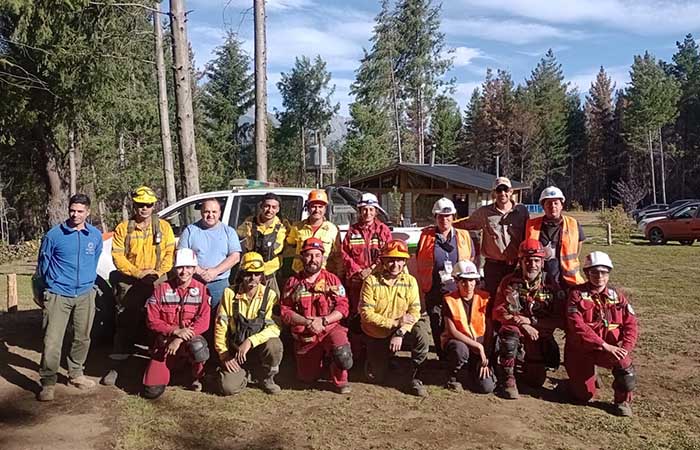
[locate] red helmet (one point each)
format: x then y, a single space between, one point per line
530 247
312 243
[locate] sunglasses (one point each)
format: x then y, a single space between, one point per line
143 205
502 188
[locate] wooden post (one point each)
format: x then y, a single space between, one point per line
11 292
609 234
260 92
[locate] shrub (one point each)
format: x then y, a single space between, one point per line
13 252
621 224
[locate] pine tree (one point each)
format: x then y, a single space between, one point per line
444 129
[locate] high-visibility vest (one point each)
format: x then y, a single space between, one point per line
472 324
568 253
425 259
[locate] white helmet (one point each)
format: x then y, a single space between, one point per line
185 257
597 259
369 199
552 192
444 206
466 269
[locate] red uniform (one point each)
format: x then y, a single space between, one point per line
539 303
360 250
168 309
594 319
317 299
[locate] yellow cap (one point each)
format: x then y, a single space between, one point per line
252 262
144 194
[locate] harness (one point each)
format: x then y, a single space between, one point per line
155 231
264 244
248 327
538 304
181 308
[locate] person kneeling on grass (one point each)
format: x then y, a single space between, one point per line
246 336
602 331
390 312
464 312
178 314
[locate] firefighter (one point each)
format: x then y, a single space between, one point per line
601 331
562 238
142 250
528 311
464 312
360 252
265 234
313 304
440 246
246 335
390 314
318 227
177 314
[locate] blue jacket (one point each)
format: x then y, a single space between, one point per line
68 259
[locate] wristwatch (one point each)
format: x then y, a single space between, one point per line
324 322
399 333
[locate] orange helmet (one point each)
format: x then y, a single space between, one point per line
395 249
317 195
530 247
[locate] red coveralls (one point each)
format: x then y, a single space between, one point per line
326 295
168 309
538 303
593 319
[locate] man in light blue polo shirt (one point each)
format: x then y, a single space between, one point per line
217 247
67 268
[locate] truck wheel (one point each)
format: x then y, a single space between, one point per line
687 241
656 236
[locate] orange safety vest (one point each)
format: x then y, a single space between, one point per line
425 258
472 325
568 254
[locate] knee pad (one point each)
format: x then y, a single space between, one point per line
343 356
153 392
199 349
625 379
508 345
550 353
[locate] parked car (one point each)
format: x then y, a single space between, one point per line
647 209
682 225
671 207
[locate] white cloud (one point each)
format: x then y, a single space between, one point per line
463 91
583 79
463 56
641 16
507 30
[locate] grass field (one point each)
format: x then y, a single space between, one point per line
661 282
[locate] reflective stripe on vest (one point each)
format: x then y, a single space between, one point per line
474 328
568 254
425 259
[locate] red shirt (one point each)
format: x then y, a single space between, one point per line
170 308
362 245
537 301
593 319
317 299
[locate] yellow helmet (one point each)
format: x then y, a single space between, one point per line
252 262
144 194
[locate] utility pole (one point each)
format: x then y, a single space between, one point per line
260 92
168 168
651 157
183 97
663 167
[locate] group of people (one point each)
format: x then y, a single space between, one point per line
346 301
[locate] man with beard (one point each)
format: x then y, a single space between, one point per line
313 304
246 335
602 331
177 314
529 312
316 226
142 250
390 314
265 234
561 236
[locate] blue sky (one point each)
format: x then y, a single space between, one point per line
501 34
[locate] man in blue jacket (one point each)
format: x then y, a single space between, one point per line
67 268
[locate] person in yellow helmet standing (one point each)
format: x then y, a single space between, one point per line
316 226
142 250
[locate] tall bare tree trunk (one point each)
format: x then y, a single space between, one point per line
397 120
183 97
71 163
302 173
663 167
165 139
260 92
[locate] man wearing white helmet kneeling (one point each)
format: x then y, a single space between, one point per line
601 331
464 312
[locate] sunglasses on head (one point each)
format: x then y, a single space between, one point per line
143 205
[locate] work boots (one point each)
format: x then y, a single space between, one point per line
510 388
416 387
268 384
623 409
47 393
453 384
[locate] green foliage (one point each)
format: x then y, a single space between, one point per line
444 129
620 222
